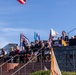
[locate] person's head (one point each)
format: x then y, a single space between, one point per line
42 44
32 43
12 48
28 47
37 42
48 43
25 40
23 48
2 49
17 47
63 33
52 38
59 38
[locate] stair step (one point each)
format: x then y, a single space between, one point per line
12 67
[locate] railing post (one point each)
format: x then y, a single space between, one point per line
33 65
23 66
1 70
74 60
25 70
41 59
19 72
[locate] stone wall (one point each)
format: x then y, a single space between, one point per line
66 57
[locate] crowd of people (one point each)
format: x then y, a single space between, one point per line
26 52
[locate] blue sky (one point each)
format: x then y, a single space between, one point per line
35 16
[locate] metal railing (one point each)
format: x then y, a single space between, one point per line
31 59
29 62
8 60
24 65
6 63
71 31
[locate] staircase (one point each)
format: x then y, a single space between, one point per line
9 68
23 68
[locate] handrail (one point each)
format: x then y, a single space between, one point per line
71 31
24 65
7 61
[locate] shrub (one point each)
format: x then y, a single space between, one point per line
42 72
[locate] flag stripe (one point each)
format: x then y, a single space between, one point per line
21 1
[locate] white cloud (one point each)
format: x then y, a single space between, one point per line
3 42
12 35
21 30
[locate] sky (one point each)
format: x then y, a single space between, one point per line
35 16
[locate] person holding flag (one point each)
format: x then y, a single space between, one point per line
52 35
24 41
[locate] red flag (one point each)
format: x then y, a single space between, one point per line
21 1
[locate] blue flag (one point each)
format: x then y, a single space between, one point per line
36 36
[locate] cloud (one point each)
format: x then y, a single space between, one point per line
21 30
13 34
3 42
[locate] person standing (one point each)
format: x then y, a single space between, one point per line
17 52
64 36
22 55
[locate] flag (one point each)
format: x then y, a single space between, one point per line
36 36
52 34
22 38
21 1
54 66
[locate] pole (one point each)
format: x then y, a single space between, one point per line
32 62
25 70
66 63
41 59
1 70
74 61
33 65
71 31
